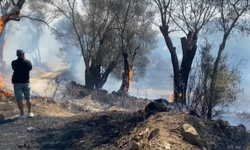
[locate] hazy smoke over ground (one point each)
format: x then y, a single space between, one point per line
156 84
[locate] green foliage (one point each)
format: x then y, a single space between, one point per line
228 82
226 88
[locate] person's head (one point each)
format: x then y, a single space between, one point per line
20 53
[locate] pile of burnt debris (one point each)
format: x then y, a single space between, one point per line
81 90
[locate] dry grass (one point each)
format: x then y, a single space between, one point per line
50 109
40 108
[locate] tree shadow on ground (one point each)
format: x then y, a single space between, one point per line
89 132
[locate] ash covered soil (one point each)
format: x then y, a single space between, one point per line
114 126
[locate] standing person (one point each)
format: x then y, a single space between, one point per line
20 81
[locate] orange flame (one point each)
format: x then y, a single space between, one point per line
130 75
2 82
11 17
172 98
3 92
1 24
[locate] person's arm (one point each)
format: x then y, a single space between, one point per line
29 65
13 65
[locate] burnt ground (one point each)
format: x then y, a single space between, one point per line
55 127
60 129
87 131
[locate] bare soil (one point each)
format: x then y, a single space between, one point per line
56 127
213 135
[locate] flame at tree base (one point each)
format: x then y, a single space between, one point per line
13 15
130 75
4 92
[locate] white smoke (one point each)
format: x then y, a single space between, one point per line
19 38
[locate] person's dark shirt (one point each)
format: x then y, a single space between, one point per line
21 67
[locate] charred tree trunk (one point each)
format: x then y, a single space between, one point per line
126 76
4 9
128 71
103 77
89 78
189 48
181 75
94 79
89 81
13 14
164 30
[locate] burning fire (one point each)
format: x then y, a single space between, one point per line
1 24
130 75
172 98
2 82
3 92
3 21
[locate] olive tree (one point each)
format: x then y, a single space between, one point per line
94 29
189 17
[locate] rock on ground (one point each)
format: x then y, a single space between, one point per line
190 134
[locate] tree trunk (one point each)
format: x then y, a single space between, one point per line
181 75
94 79
174 59
89 79
189 48
215 73
100 83
126 76
3 22
213 80
103 78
